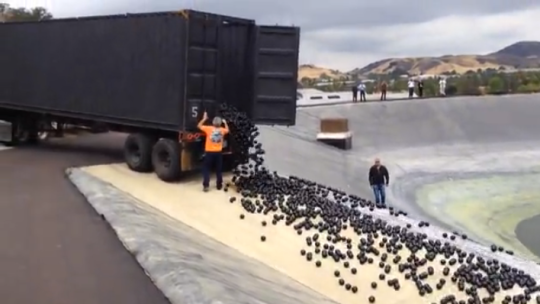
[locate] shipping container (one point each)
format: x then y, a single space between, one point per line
151 70
152 74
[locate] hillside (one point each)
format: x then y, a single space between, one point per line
314 72
520 55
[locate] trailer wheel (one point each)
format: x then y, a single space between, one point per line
138 152
22 133
166 160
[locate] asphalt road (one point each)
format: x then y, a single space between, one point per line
55 248
431 145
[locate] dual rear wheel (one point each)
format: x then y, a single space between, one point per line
144 153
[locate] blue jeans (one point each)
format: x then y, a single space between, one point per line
380 193
216 159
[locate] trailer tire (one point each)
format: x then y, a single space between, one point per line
23 132
166 160
138 152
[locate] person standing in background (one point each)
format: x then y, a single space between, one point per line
354 93
442 86
410 84
383 87
420 88
378 180
362 89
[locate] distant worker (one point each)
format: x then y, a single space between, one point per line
420 88
384 87
442 86
410 84
213 149
354 93
379 180
362 89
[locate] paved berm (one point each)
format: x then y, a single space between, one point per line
55 247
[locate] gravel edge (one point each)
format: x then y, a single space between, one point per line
125 216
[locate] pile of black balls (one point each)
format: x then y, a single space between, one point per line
324 213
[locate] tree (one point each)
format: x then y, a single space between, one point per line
451 90
307 82
3 8
465 86
496 85
398 85
370 87
490 81
431 88
512 83
534 79
22 14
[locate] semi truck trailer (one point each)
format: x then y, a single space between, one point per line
149 75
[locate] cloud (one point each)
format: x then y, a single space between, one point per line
346 34
349 47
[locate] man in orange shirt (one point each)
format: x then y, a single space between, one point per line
213 148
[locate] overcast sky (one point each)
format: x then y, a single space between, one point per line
345 34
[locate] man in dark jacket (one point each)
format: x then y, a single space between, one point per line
420 88
378 180
354 93
384 87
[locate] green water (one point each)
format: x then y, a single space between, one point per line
489 208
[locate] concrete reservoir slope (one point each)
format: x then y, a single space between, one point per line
276 248
468 164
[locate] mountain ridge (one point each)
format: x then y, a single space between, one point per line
519 55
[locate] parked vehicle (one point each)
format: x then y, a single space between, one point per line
149 75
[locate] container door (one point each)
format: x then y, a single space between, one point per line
201 86
276 72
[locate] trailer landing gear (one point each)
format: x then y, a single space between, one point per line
49 129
